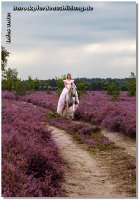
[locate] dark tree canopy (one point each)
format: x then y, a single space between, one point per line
4 57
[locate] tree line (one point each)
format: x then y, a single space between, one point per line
11 82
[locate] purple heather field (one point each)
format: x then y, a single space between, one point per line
96 108
30 157
31 164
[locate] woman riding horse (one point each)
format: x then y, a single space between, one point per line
68 82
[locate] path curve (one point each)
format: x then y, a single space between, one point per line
83 175
120 139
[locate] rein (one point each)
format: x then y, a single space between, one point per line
69 93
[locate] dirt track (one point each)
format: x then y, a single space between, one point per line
119 139
83 175
88 175
122 141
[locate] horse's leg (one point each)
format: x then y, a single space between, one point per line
63 112
74 99
67 110
72 107
73 110
72 116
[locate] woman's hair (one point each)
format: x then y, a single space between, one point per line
68 75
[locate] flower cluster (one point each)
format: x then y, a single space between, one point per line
31 164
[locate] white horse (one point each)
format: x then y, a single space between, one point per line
70 102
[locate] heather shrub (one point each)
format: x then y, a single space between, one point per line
41 165
8 95
30 158
116 126
85 131
42 99
77 127
114 115
11 176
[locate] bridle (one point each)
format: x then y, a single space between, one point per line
71 90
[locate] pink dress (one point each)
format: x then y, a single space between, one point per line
61 102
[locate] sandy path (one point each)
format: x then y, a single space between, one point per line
83 175
122 140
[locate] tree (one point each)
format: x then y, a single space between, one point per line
10 78
112 89
30 83
53 82
4 60
19 87
11 74
132 85
36 84
59 82
82 87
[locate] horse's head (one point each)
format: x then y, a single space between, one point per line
72 90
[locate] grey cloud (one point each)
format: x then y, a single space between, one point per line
54 32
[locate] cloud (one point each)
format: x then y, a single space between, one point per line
56 60
101 43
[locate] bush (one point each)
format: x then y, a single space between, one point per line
113 90
19 87
7 85
132 85
82 88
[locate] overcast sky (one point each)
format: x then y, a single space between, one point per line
96 44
